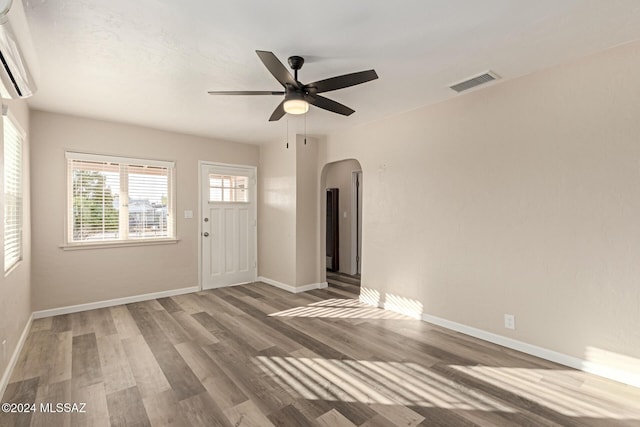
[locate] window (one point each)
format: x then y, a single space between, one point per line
227 188
113 199
13 138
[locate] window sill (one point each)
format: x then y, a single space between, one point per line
116 244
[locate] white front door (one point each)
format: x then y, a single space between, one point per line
228 224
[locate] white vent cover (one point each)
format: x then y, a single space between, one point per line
475 81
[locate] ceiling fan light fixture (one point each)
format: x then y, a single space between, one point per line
296 106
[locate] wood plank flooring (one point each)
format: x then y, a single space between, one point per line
254 355
343 281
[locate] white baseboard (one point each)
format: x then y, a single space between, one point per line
312 286
612 373
112 302
6 376
291 288
533 350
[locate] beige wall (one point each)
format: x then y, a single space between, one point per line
277 212
307 211
15 287
338 175
288 212
62 278
520 198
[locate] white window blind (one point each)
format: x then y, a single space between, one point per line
13 139
118 199
228 188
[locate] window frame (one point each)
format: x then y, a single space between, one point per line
70 244
22 135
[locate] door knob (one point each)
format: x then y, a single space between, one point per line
206 234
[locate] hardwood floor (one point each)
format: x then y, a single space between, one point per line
254 355
343 281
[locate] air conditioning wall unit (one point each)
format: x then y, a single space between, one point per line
16 52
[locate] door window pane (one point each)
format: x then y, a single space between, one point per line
228 188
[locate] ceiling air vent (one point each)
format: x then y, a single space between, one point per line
475 81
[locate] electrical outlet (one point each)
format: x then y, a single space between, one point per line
510 321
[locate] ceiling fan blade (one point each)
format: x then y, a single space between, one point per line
341 82
243 92
277 68
277 113
329 105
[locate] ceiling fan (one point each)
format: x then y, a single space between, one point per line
298 96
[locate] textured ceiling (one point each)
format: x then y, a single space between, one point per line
151 62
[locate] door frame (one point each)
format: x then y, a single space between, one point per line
202 163
356 222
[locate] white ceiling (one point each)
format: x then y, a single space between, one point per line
151 62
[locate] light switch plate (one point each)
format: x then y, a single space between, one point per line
188 214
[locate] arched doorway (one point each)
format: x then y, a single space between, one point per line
341 224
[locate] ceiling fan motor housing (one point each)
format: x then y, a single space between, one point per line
294 93
296 62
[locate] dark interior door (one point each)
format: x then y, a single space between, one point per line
332 230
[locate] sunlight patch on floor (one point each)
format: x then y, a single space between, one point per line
338 302
407 306
613 365
552 389
373 382
369 296
341 309
396 303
